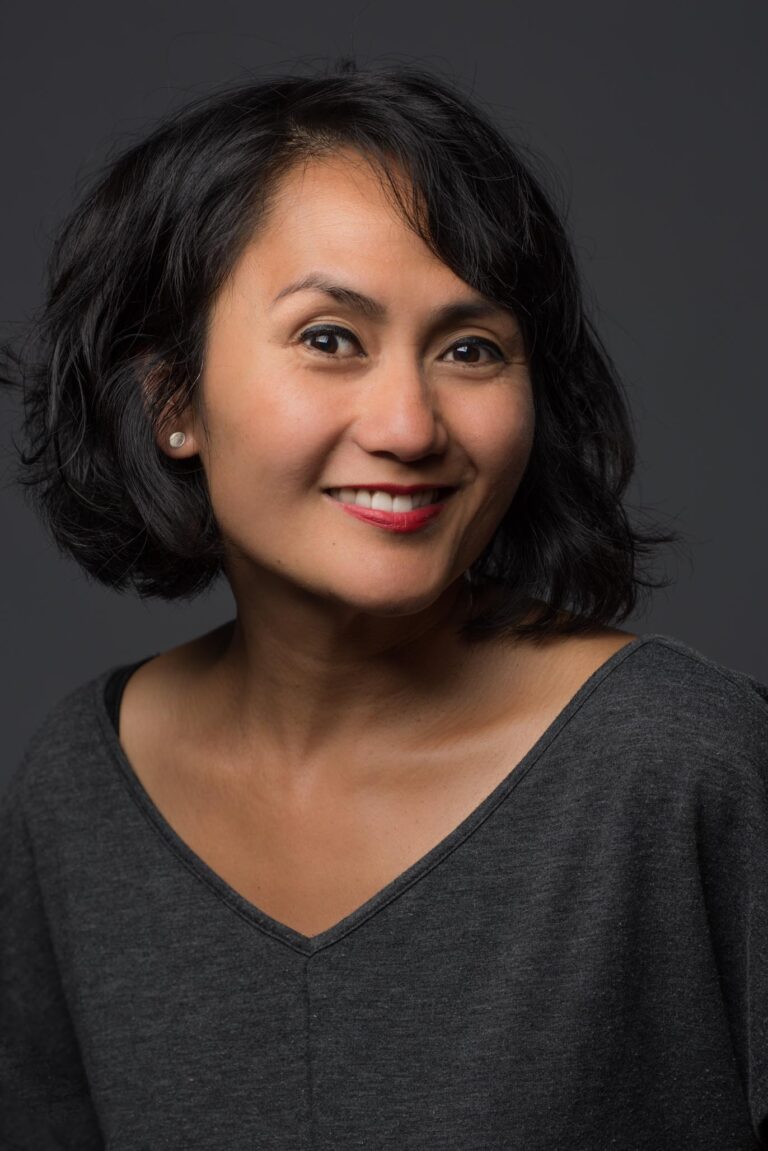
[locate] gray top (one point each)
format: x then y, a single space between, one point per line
582 963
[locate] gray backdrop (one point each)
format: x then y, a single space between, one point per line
651 116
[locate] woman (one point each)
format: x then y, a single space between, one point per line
419 850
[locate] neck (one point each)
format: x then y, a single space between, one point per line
300 680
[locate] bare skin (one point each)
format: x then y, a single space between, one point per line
308 853
338 728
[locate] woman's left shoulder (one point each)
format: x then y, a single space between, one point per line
693 671
718 711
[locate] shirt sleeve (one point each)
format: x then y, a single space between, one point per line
733 852
44 1097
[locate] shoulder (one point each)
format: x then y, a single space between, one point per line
686 683
672 699
70 735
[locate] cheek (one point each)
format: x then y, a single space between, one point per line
269 439
498 437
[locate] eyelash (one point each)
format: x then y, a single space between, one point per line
337 330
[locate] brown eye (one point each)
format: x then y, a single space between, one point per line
475 344
328 336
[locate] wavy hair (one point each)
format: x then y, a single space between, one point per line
136 266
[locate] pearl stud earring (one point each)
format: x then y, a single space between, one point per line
177 439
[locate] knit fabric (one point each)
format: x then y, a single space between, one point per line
581 964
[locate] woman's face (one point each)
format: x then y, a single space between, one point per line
300 419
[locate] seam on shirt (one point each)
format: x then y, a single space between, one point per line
308 1056
733 675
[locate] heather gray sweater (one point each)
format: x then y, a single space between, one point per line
581 964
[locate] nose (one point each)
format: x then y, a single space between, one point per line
399 414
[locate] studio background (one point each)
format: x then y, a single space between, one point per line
650 120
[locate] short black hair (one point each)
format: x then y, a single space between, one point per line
135 268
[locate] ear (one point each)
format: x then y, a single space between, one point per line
170 421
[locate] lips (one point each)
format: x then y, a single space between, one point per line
398 510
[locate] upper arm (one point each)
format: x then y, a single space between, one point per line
44 1098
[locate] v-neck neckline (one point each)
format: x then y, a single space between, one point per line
281 932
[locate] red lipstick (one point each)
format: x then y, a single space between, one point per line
399 522
395 521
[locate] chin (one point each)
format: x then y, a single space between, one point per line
392 599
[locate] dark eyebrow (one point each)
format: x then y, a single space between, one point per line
473 308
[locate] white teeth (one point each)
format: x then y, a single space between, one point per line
383 501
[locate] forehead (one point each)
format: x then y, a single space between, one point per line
337 183
338 214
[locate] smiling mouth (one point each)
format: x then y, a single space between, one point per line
377 500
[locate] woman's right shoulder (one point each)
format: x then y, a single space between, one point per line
70 731
77 728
